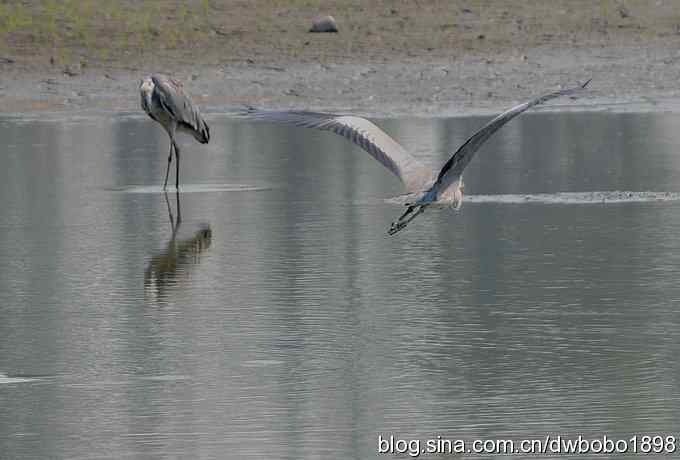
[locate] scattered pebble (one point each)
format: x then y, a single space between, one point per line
324 24
72 70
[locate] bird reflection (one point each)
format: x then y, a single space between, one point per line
170 266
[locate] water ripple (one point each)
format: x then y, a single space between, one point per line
608 197
195 188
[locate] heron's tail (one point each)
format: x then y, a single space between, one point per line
197 127
202 133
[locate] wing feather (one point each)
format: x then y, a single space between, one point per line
175 102
361 132
454 167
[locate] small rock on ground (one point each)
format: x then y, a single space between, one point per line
324 24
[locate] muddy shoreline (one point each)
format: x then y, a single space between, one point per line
390 57
625 78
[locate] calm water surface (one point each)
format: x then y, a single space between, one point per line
277 320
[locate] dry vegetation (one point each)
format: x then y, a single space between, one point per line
131 33
390 56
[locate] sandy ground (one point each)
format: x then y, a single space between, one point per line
390 58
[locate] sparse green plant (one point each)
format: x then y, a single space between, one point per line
104 29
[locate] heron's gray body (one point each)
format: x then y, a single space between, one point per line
425 186
165 101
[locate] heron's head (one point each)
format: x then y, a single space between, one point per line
145 91
146 86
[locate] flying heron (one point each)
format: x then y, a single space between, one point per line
425 188
164 100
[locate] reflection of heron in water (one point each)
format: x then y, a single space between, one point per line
165 267
426 187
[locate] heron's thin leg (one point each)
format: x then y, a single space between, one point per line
176 165
415 214
179 212
170 216
174 224
408 211
167 170
401 223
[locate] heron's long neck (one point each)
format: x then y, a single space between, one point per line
146 97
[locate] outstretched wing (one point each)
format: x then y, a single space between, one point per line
177 104
454 167
361 132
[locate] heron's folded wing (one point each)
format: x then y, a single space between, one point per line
361 132
174 100
454 167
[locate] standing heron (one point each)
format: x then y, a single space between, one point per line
425 188
164 100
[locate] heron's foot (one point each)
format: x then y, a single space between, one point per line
401 223
396 227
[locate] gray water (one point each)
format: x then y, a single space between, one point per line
278 320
